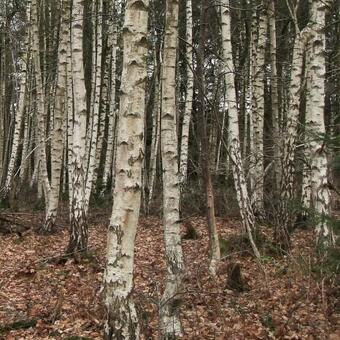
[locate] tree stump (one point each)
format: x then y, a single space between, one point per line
235 278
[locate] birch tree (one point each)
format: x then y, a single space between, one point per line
156 126
246 210
57 138
315 121
205 150
41 114
259 30
70 121
169 313
290 135
121 322
286 216
23 64
111 59
78 225
183 164
92 134
274 93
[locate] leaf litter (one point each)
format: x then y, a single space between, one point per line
41 298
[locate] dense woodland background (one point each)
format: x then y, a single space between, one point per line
208 131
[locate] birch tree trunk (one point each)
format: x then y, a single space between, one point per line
156 112
3 76
246 211
70 121
215 254
112 47
258 60
121 322
41 114
26 145
169 312
289 141
95 96
78 228
274 94
21 105
57 138
306 192
183 164
315 120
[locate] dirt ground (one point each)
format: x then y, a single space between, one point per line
285 298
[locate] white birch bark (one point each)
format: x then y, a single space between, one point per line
70 115
274 93
25 146
43 181
96 84
246 211
205 151
64 169
104 89
289 140
248 137
19 113
112 47
169 313
306 193
156 114
78 226
121 322
258 60
35 171
3 76
57 134
315 120
219 147
183 164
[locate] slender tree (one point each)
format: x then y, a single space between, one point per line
156 112
169 313
111 75
23 65
183 164
121 322
315 121
92 134
244 203
289 140
78 226
259 33
57 138
204 142
274 94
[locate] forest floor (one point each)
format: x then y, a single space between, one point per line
43 298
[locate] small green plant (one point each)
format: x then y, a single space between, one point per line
39 205
21 324
241 243
267 321
4 204
267 259
101 201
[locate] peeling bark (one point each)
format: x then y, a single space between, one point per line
121 321
246 210
183 164
169 316
78 223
